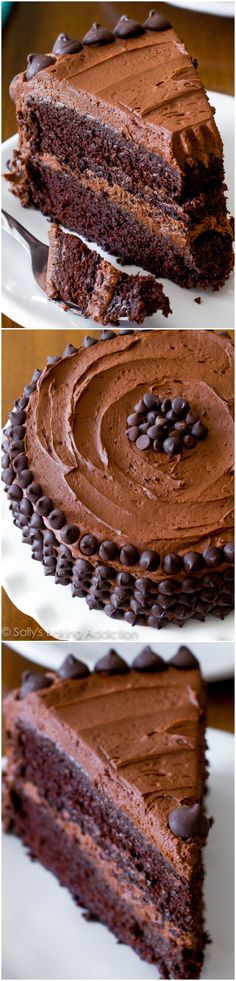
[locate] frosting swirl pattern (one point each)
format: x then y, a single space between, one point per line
78 450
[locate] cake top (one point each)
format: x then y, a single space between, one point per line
136 732
95 482
139 80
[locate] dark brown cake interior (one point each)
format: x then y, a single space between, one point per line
83 820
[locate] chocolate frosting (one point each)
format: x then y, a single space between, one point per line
144 86
78 451
139 735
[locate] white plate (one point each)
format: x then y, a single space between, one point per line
224 8
68 618
216 660
23 301
45 935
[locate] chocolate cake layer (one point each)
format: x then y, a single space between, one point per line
119 230
92 796
144 533
126 126
77 275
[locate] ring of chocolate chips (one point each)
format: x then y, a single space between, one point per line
125 28
164 425
34 506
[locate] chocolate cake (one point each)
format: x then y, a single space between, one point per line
118 142
118 465
105 784
77 275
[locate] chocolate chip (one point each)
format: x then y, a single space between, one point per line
129 555
49 538
155 22
192 561
44 506
184 660
134 419
88 544
130 617
212 557
166 601
154 431
181 427
140 406
146 660
14 493
157 611
199 430
132 434
172 563
127 27
6 459
149 560
34 491
24 478
151 401
69 350
168 587
17 417
33 681
112 663
189 442
18 432
191 418
36 62
89 341
98 35
180 407
105 572
36 375
53 358
66 45
73 668
50 562
16 446
228 552
171 416
143 442
107 335
188 821
70 534
28 389
108 550
124 579
57 519
20 462
82 567
172 445
8 476
37 521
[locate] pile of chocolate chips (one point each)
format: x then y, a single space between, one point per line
164 425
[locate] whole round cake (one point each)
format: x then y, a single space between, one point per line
118 468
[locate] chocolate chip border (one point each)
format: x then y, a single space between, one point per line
137 599
98 35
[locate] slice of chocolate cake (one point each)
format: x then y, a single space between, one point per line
105 785
118 142
76 275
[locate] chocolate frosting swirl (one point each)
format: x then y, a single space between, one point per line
79 453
